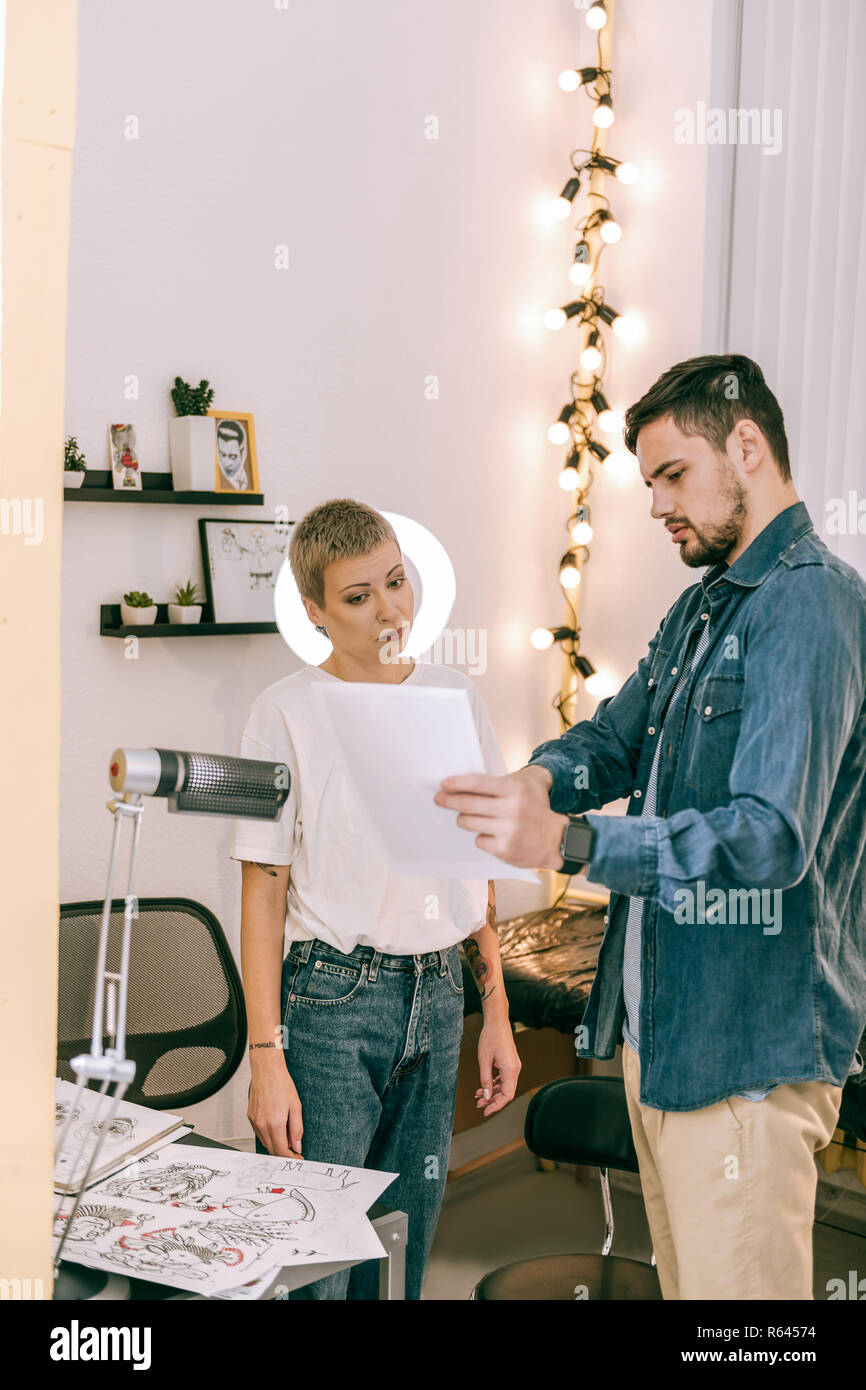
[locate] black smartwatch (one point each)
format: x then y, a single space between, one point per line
575 845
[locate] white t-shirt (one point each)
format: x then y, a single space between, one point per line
340 887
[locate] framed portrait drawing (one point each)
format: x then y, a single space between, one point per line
241 561
236 464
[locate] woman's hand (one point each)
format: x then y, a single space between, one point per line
274 1108
496 1049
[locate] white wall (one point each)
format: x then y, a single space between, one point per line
407 257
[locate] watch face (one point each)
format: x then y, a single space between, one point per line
578 842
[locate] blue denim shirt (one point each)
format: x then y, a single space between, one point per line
753 970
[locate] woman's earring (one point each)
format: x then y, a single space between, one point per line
323 630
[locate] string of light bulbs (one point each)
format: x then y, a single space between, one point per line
588 410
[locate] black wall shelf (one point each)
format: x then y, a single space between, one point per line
111 626
155 487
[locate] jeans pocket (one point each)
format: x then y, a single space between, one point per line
325 981
454 970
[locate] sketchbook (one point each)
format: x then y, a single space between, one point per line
133 1131
218 1221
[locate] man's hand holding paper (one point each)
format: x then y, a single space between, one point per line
511 815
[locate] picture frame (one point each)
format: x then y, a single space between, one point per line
236 467
241 561
123 459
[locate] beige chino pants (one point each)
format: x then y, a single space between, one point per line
730 1189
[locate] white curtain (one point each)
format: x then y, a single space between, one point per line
786 263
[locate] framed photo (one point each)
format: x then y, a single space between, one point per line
241 561
122 457
237 467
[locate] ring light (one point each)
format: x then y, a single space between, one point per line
438 591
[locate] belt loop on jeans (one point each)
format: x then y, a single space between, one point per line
373 972
443 955
302 949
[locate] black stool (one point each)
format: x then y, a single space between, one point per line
584 1120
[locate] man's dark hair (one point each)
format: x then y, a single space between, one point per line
230 429
707 396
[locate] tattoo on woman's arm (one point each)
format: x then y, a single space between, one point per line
479 966
268 868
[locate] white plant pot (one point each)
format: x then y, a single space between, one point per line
137 617
192 450
184 612
73 477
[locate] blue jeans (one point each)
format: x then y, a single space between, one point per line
372 1045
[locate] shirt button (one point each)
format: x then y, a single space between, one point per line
674 670
705 616
651 730
651 681
606 918
708 709
638 792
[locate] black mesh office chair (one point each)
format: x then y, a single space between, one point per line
584 1120
186 1021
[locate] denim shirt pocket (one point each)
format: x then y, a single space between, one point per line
711 734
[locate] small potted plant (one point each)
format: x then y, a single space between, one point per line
192 438
137 609
74 463
186 606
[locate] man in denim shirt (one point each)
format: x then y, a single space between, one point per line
735 948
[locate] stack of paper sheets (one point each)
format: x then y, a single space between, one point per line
134 1131
220 1222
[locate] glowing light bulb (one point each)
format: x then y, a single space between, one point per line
541 639
569 80
579 272
559 433
569 576
629 328
581 533
596 15
608 421
590 358
620 464
602 116
602 684
568 478
626 173
554 319
560 209
610 231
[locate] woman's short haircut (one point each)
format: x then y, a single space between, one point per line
707 396
335 530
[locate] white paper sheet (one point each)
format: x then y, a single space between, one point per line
213 1220
396 747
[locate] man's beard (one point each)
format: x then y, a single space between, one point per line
713 544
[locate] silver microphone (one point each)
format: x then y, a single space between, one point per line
204 784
